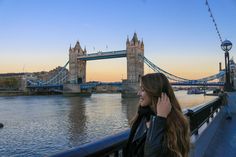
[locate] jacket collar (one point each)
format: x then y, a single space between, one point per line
141 130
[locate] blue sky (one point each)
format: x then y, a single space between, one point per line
179 36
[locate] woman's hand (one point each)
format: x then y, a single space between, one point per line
163 106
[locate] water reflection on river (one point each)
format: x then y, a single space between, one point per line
42 125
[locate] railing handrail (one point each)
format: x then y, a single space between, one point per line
202 114
101 147
114 144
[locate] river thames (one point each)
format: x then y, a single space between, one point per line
44 125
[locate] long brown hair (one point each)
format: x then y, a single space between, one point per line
177 136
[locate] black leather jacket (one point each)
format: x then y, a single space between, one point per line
149 141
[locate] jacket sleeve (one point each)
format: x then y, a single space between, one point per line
153 144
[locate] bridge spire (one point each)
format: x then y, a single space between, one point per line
77 45
135 38
127 41
70 48
142 44
85 51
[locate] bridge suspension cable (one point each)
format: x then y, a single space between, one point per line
177 78
212 77
58 74
58 78
213 20
157 69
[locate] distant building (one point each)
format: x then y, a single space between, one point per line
17 81
11 81
107 89
232 73
45 76
7 75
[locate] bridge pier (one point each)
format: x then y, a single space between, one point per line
129 89
71 88
135 67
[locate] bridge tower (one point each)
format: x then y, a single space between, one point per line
135 66
77 68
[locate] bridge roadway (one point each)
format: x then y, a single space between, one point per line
103 55
223 143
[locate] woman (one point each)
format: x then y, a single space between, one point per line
159 129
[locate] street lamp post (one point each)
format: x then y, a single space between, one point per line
226 46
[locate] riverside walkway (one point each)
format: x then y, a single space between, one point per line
223 143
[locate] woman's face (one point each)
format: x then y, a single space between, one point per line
144 98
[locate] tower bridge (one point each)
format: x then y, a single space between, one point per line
75 81
78 58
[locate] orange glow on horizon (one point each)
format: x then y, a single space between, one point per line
113 70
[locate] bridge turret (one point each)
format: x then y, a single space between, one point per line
127 41
135 66
142 44
85 51
70 49
77 46
135 40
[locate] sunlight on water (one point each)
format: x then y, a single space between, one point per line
43 125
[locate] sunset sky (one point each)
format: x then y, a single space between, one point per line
179 36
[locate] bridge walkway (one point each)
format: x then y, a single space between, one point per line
223 143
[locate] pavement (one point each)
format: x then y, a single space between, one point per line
223 143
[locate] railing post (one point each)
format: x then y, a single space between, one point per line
116 154
193 124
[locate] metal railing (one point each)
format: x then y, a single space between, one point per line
109 146
202 115
113 146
